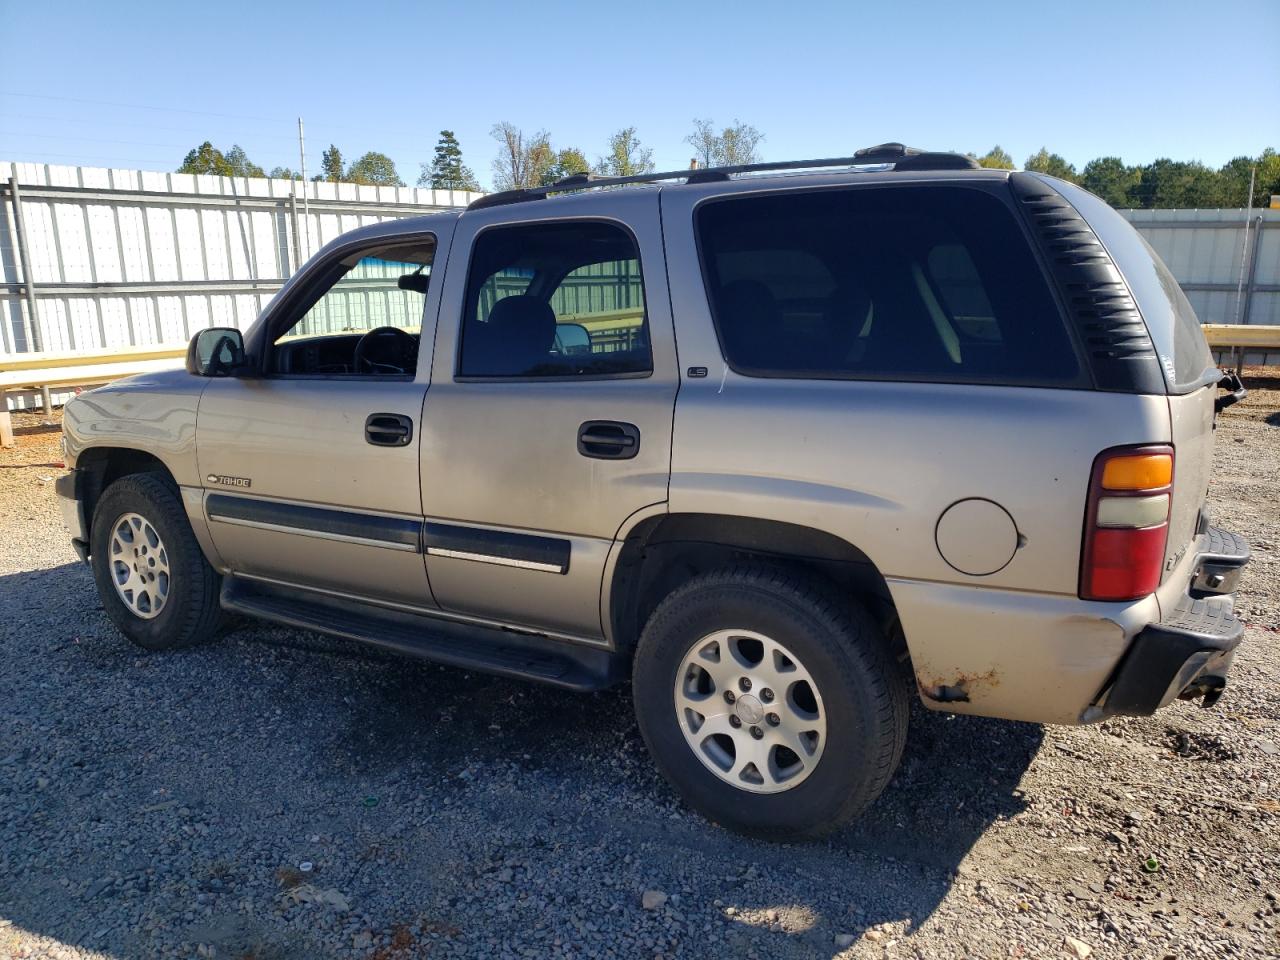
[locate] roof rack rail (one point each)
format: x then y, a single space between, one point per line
902 158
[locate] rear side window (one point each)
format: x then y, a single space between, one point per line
931 283
555 300
1171 321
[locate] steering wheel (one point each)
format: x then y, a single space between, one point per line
385 343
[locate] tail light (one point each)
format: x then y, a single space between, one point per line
1126 523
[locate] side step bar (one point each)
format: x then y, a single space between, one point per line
508 653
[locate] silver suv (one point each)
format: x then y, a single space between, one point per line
777 444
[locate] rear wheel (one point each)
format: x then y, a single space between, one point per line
770 704
153 579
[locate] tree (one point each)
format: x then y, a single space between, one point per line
539 160
331 168
240 164
1233 186
734 145
376 169
627 157
521 161
1168 183
566 163
1233 181
447 171
996 158
1268 182
206 158
284 173
1055 166
1110 179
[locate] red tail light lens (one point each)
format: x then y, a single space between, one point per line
1126 523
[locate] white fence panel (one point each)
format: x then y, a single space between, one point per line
139 257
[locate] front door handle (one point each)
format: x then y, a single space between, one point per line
388 429
608 440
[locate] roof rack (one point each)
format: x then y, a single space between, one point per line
902 158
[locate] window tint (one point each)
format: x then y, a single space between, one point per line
1171 321
554 300
907 283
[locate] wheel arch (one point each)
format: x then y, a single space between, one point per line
661 551
102 466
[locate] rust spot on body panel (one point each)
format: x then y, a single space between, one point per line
957 689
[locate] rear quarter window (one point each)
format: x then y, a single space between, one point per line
930 283
1171 321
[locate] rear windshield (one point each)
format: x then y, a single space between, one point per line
932 283
1171 321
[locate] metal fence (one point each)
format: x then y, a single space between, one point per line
1227 261
93 258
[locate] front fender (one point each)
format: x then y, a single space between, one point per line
154 414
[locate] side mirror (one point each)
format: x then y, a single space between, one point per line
216 352
571 339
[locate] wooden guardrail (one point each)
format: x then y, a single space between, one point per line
1241 337
46 371
1255 335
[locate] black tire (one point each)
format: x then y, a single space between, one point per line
848 658
190 613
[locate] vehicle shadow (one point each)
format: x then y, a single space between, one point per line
430 780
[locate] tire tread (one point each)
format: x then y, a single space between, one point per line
200 613
858 649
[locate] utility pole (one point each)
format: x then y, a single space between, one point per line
306 212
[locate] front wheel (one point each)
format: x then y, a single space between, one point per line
771 705
155 584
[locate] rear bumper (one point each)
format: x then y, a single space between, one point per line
1052 658
1188 653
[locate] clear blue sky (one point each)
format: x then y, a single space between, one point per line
1188 80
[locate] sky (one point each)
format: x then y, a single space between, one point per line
138 85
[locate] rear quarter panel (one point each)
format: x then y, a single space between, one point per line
878 463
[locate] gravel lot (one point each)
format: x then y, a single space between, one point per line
161 805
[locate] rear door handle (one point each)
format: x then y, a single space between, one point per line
388 429
608 440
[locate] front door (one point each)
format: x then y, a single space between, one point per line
311 469
548 422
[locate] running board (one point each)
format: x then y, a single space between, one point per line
508 653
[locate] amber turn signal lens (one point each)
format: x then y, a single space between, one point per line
1144 471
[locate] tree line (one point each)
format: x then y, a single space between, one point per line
532 159
1163 183
445 172
523 160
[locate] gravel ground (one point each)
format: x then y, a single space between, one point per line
169 805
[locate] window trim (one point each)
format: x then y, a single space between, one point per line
267 330
999 193
460 377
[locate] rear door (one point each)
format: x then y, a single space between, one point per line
548 422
